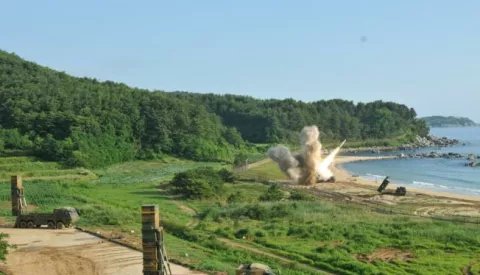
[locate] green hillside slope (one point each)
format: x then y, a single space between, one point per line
84 122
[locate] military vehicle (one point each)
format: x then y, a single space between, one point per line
400 191
59 219
384 184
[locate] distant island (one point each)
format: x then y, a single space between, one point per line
449 121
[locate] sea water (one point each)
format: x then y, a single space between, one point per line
439 174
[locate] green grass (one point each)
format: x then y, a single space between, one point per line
331 236
476 268
113 201
254 157
268 170
316 234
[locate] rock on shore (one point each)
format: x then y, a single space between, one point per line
429 141
472 158
434 155
473 164
420 142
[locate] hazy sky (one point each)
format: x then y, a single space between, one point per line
425 54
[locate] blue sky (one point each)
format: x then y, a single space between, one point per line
425 54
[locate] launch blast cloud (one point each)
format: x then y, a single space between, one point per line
305 167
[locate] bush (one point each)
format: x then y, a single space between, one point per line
260 234
274 193
259 212
240 159
242 232
198 183
297 195
227 176
237 197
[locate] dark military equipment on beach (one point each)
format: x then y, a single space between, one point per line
401 191
383 185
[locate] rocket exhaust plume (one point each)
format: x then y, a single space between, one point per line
306 167
322 168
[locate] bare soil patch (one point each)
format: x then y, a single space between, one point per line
386 254
71 252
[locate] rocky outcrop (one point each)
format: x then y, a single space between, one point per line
420 142
473 164
472 157
469 157
432 155
429 141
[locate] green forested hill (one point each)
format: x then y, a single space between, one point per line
448 121
281 120
82 121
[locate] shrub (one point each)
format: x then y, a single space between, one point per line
259 212
260 233
297 195
222 232
274 193
227 176
240 159
237 197
198 183
242 232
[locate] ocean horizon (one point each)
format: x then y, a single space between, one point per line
434 174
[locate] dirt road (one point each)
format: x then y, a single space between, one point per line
72 252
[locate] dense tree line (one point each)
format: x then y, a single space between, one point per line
268 121
90 123
82 121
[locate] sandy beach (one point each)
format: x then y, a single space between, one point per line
343 175
417 201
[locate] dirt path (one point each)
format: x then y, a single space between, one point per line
270 255
72 252
192 212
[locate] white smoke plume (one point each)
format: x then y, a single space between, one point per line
285 160
306 167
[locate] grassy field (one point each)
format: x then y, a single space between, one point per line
297 237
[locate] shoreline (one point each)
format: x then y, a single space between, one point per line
344 176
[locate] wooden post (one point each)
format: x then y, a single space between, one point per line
155 260
18 206
150 223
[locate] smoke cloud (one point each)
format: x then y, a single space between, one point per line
306 167
285 160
